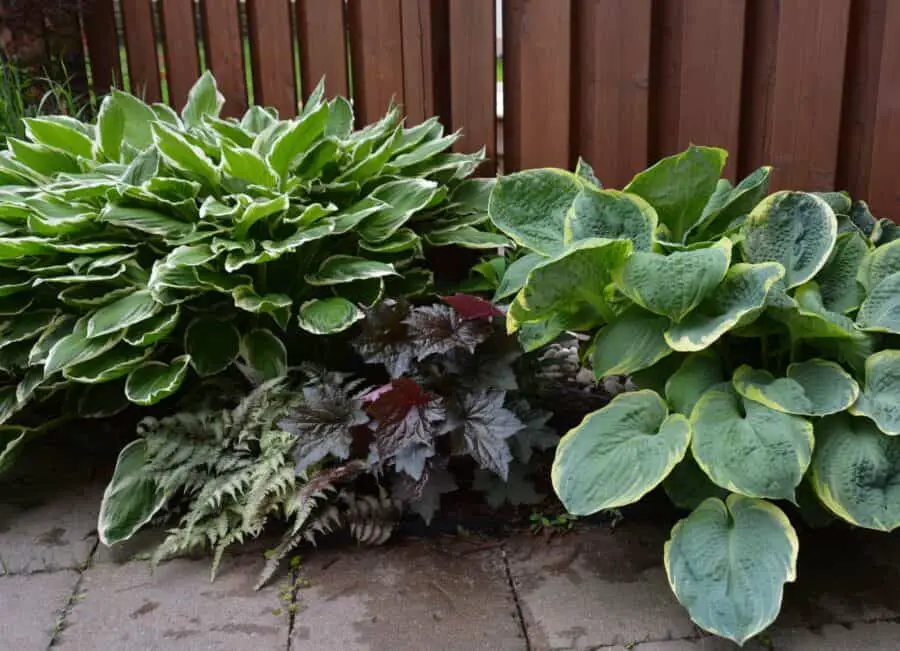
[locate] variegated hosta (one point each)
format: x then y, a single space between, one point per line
153 246
760 329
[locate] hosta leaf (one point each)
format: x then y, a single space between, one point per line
585 172
813 388
77 347
152 381
735 302
486 426
837 280
634 341
114 363
687 486
610 214
26 326
619 453
311 164
346 268
60 327
181 154
212 345
259 209
12 439
808 318
532 206
880 312
123 121
43 160
204 99
154 329
145 220
467 237
403 198
880 401
733 203
121 314
299 238
855 472
516 274
698 372
403 240
879 264
325 316
247 165
131 499
727 563
679 186
296 139
340 118
749 448
257 119
796 229
265 353
673 285
247 299
102 400
230 131
59 135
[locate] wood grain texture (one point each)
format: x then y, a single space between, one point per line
99 21
697 88
140 45
612 59
179 32
272 53
376 52
537 36
473 90
322 33
795 87
224 52
425 59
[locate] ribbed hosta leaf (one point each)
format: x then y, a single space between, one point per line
880 401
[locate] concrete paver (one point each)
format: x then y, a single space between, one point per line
176 608
30 608
409 597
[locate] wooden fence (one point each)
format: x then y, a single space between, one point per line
809 86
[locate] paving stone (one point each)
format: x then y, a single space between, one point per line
596 587
421 595
876 636
176 608
47 527
30 607
706 643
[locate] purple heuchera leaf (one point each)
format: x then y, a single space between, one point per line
485 426
424 496
438 329
411 459
324 423
385 337
404 415
472 307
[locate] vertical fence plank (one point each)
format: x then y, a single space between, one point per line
140 45
425 59
537 37
612 58
697 93
271 42
323 45
376 53
180 43
797 109
473 92
224 52
884 188
99 21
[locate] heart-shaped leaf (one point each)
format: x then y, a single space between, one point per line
813 388
265 353
610 214
324 316
131 499
633 342
346 268
880 401
880 312
152 381
114 363
699 372
212 344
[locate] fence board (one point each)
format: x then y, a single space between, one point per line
425 51
103 46
796 110
376 56
536 83
322 33
884 190
612 58
473 93
140 43
180 41
224 52
269 24
697 94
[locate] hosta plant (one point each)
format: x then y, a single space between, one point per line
762 330
443 386
153 246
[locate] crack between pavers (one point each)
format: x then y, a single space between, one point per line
520 615
62 617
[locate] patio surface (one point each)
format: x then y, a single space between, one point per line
593 588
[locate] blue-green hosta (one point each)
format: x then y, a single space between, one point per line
760 328
153 246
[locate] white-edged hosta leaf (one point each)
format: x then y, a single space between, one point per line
880 399
213 344
131 499
619 453
796 229
152 381
204 99
265 353
468 238
60 327
122 313
26 326
747 447
610 214
76 347
157 327
247 165
879 264
698 373
735 302
855 472
145 220
299 238
259 209
727 563
880 312
12 439
123 122
323 316
102 400
813 388
807 317
116 362
403 240
183 155
248 300
403 197
296 139
346 268
633 342
728 204
673 285
59 135
516 274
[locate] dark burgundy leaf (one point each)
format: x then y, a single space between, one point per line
385 338
486 425
472 307
437 329
403 415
